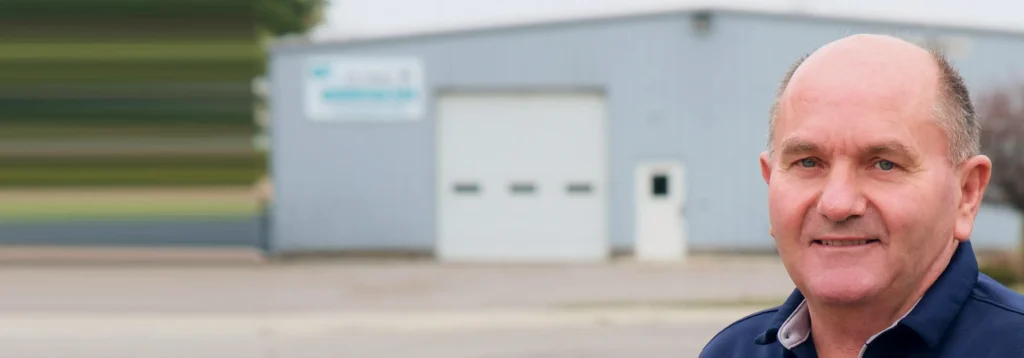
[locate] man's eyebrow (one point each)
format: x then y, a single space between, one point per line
798 146
795 146
891 148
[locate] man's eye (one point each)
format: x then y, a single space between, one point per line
808 163
885 165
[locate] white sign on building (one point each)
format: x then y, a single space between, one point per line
361 89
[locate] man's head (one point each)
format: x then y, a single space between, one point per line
872 169
954 110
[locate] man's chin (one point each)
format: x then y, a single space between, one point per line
843 297
842 292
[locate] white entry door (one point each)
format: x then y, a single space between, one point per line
660 214
521 177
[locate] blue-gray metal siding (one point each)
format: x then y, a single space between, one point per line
671 95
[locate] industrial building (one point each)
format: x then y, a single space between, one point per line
566 140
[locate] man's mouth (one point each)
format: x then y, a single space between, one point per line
845 242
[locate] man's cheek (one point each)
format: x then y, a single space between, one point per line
788 225
788 205
902 212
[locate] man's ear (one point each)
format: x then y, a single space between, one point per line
766 173
974 175
766 167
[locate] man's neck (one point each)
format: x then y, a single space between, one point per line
843 330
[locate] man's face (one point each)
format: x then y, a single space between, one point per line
862 196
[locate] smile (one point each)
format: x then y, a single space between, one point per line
845 242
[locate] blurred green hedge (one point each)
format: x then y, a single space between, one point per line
1002 270
204 170
74 73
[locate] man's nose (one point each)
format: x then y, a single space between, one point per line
841 199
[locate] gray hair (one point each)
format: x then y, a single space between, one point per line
954 110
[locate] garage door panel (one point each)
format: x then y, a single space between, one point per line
539 162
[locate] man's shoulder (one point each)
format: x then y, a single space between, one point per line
994 296
737 339
990 323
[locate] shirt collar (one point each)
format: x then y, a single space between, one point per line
770 335
942 302
930 317
797 328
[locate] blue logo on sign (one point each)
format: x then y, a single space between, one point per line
368 94
321 72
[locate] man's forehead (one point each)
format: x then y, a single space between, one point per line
859 128
860 89
867 59
865 70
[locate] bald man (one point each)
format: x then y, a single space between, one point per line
874 181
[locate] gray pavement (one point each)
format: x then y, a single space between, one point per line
380 309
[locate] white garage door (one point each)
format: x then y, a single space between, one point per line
522 177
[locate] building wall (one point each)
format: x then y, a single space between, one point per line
672 94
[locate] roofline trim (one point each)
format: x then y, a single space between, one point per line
312 40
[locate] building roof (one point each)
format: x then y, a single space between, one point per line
374 19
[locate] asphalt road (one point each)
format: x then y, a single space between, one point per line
682 335
378 309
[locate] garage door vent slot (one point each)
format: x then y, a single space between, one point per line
522 188
579 188
467 188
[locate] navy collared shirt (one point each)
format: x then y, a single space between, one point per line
964 314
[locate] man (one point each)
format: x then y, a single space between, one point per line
874 181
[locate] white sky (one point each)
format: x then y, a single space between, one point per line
374 18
